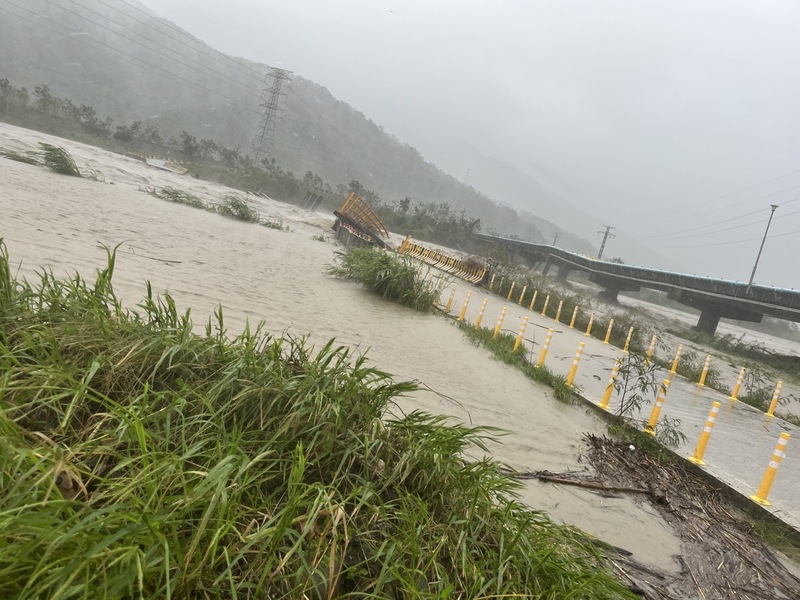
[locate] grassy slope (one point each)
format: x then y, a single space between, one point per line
139 459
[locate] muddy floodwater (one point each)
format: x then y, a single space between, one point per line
279 277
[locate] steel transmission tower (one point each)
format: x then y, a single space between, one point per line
606 234
264 139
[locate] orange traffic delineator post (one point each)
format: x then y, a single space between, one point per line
662 394
522 295
533 299
500 321
610 387
589 326
491 281
674 368
518 341
511 290
450 300
480 313
700 449
464 308
574 316
650 350
608 331
772 468
574 369
558 310
543 353
738 386
628 340
774 404
704 374
546 302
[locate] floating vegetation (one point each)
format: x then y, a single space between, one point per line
28 157
236 208
58 160
138 459
275 225
391 276
172 194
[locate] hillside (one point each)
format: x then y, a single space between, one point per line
129 65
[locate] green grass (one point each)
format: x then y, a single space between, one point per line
234 207
58 160
180 197
27 158
389 275
139 459
502 346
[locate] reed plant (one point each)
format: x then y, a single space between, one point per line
29 158
58 160
389 275
140 459
235 208
177 196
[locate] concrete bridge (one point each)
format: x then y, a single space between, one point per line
715 298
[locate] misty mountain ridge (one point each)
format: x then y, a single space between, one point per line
131 65
535 196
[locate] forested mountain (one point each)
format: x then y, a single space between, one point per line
124 62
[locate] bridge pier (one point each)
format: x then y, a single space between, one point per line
712 310
708 321
612 287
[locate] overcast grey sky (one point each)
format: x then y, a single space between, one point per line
678 122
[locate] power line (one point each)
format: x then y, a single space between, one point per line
116 53
207 72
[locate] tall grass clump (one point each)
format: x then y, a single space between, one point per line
390 276
236 208
139 459
27 158
177 196
59 160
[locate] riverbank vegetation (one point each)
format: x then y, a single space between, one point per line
140 459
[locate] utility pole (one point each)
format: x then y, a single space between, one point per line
755 266
606 234
264 139
555 239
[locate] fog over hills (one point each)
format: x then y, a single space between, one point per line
121 59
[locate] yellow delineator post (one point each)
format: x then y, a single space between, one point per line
628 340
650 350
651 423
774 404
610 387
480 314
546 302
738 386
574 316
704 373
464 308
491 281
608 331
511 290
558 310
522 295
700 449
772 469
533 299
543 353
518 341
500 321
589 326
450 300
574 369
674 368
